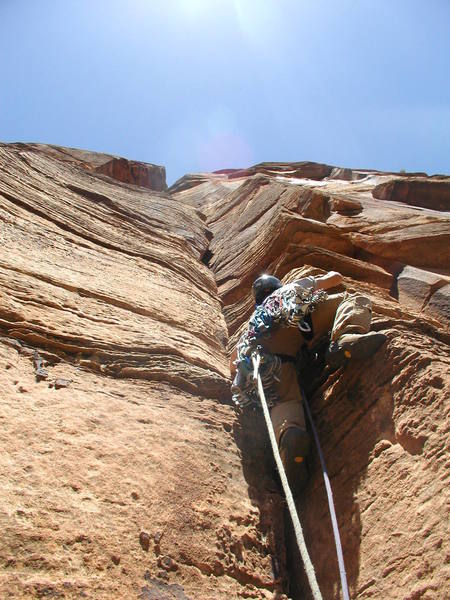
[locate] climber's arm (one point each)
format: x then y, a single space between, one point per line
330 280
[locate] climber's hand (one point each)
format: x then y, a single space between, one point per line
330 280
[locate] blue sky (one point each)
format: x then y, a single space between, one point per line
198 85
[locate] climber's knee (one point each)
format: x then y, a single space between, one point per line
294 448
285 415
353 315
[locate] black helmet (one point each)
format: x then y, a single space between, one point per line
264 286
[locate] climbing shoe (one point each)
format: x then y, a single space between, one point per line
294 447
353 345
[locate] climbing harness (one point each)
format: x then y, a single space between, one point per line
243 389
309 568
289 306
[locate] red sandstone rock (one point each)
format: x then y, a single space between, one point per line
127 171
305 169
129 294
429 193
439 304
381 424
416 286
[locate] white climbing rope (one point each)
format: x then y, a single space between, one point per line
309 568
337 537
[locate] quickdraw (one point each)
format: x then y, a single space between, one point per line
288 306
243 389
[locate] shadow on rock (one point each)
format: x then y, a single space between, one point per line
353 412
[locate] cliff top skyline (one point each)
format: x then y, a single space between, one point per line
199 85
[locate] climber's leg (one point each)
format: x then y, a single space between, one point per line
294 447
353 315
285 415
323 316
288 421
350 337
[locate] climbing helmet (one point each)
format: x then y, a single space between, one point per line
264 286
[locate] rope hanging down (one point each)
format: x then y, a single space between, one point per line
309 569
337 537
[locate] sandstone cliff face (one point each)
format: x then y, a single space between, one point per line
125 471
145 175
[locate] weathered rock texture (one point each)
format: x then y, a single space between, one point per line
127 171
125 472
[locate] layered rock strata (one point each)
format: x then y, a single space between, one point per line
382 424
125 471
119 469
138 173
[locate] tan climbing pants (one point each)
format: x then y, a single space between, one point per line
340 314
288 411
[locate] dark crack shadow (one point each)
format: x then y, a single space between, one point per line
354 422
207 257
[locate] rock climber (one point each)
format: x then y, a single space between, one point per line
286 318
